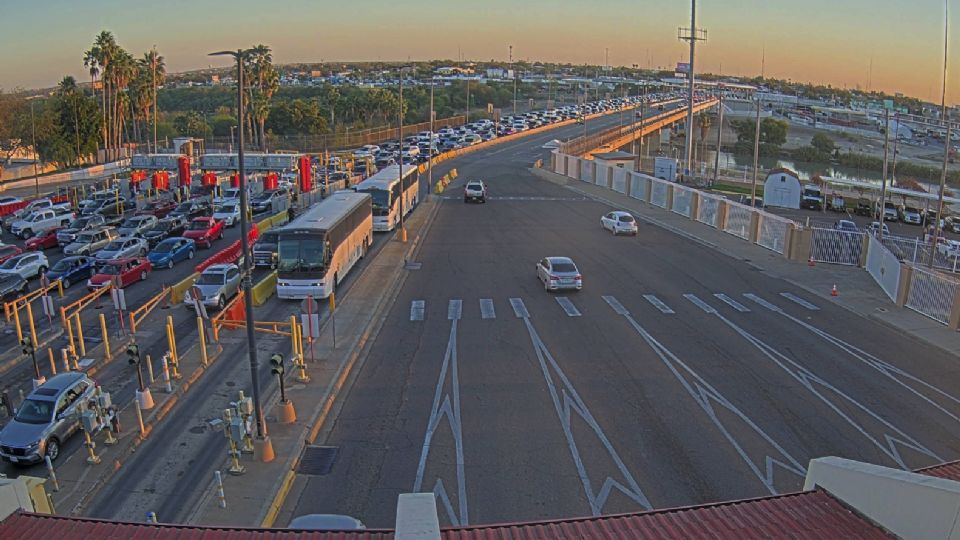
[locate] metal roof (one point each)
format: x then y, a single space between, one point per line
949 470
809 514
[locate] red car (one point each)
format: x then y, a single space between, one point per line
160 208
44 241
129 271
8 251
204 230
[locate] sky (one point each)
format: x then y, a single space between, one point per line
820 41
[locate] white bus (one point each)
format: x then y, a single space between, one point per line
316 250
385 189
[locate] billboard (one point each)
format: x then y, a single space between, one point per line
683 67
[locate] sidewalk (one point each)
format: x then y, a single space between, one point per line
257 497
859 293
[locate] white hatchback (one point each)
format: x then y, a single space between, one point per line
619 222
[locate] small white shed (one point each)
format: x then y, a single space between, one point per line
782 189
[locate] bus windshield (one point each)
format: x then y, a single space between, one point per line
301 254
380 200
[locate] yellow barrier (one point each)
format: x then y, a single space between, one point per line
264 289
453 173
178 291
17 303
141 312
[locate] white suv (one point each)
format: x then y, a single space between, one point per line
475 190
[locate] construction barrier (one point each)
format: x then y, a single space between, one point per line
179 290
266 224
10 307
264 289
229 254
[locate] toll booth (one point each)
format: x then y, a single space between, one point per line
179 165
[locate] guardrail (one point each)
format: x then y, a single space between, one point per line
140 313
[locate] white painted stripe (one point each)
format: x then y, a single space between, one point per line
732 303
519 309
454 310
487 311
762 302
699 303
616 305
794 298
417 308
568 306
657 303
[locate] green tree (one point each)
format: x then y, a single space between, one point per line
773 134
191 124
298 117
823 143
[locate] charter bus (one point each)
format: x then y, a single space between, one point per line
385 189
316 250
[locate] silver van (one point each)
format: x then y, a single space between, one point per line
88 242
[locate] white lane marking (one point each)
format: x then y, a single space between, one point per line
885 440
657 303
454 310
762 302
616 305
892 372
450 409
487 311
700 303
732 303
706 396
519 309
794 298
417 309
567 400
568 306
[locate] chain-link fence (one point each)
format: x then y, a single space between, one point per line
738 220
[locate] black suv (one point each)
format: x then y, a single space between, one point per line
172 225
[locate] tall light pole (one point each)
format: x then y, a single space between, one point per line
240 55
943 114
514 81
883 182
692 35
430 160
36 153
153 65
716 157
756 157
403 229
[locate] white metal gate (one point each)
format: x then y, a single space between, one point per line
773 232
836 247
738 220
884 266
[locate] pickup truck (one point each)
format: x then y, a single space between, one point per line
35 205
204 230
40 222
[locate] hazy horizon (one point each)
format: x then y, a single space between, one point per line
819 42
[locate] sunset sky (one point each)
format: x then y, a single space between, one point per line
821 41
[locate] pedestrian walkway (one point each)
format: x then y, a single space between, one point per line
857 291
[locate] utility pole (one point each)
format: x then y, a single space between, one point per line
716 157
692 35
403 230
756 157
513 71
153 64
430 161
883 181
943 114
36 153
468 101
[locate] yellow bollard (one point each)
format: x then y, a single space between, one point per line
172 339
33 327
150 369
106 338
83 346
53 362
203 341
73 346
66 360
60 287
16 321
133 323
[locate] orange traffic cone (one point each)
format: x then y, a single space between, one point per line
810 262
834 292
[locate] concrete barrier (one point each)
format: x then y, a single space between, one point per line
179 290
264 289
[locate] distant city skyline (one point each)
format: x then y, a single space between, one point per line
817 41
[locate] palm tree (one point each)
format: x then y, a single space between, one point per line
101 56
155 64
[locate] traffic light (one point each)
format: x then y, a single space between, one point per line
133 354
26 345
276 364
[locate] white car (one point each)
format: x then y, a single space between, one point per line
475 190
559 273
619 222
8 199
228 213
123 248
27 265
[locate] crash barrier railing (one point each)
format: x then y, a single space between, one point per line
266 224
137 315
835 246
264 289
920 252
11 307
932 294
708 209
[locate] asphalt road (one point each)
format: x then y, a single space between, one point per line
643 390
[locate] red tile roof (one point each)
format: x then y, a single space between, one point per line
810 514
949 470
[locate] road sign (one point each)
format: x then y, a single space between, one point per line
311 324
48 309
490 108
119 299
309 305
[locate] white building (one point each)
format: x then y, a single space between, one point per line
782 189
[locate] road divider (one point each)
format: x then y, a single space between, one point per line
264 289
137 315
231 253
179 290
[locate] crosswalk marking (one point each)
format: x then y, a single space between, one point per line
568 306
519 309
657 303
794 298
454 309
417 308
616 305
699 303
487 310
732 303
761 301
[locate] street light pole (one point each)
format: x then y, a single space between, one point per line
231 138
756 157
716 157
36 153
430 160
883 184
403 229
240 55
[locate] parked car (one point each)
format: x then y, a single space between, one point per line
875 228
70 270
171 251
618 222
69 233
43 241
216 286
863 207
46 419
137 225
88 242
204 230
121 248
559 273
127 271
846 225
8 251
12 286
910 215
475 190
26 265
228 213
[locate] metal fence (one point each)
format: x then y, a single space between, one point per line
638 185
918 252
836 247
932 294
658 194
708 210
884 266
738 220
682 199
773 232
